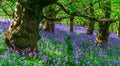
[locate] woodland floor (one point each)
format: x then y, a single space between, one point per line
53 49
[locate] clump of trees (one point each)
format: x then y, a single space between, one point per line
24 32
104 20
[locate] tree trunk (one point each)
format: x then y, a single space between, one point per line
103 31
102 34
91 23
118 32
24 30
71 24
90 27
47 24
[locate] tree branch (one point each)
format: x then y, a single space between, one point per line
96 19
63 7
70 3
79 13
56 19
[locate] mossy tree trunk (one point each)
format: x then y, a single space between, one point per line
102 34
71 23
103 30
47 24
118 32
23 32
91 22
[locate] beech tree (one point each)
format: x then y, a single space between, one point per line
118 31
103 30
91 21
49 25
24 32
71 23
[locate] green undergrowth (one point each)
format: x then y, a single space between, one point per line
53 52
2 46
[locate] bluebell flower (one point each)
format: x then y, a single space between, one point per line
77 62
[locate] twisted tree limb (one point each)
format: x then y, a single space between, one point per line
56 19
79 13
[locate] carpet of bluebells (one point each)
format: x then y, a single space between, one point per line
63 48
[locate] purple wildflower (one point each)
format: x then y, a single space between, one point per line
44 59
30 54
77 62
89 63
41 51
17 52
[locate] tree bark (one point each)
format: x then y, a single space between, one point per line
102 34
24 30
118 32
47 24
71 24
91 23
90 27
103 31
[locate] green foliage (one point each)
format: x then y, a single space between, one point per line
119 15
70 47
73 8
2 47
50 51
7 7
50 48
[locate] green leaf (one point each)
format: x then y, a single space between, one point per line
119 16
